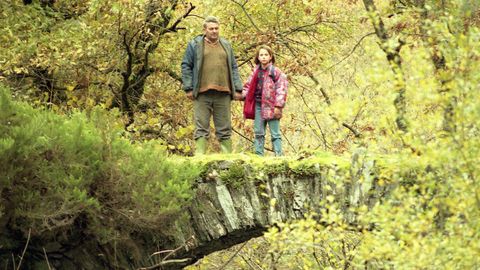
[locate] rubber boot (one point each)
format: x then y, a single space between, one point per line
200 146
226 146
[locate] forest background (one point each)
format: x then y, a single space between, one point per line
397 78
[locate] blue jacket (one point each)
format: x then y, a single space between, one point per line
192 66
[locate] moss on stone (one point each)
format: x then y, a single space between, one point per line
235 175
236 169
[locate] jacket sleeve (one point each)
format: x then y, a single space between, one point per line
246 86
281 86
187 68
236 76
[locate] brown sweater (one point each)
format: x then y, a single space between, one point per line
214 69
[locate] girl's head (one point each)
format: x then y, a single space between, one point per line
264 54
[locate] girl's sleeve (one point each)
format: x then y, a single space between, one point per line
246 86
281 86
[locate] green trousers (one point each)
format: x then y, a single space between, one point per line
216 104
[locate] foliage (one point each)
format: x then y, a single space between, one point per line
431 220
58 171
94 166
235 175
44 156
89 53
80 54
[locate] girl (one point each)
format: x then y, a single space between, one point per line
265 93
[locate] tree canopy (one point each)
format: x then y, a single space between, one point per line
96 84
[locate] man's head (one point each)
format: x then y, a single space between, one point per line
211 28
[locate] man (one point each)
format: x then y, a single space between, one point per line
210 78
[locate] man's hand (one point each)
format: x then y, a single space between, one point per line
277 113
237 96
190 95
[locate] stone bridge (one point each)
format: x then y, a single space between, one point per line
235 203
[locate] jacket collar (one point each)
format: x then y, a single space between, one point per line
268 67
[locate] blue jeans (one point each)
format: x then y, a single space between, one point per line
259 126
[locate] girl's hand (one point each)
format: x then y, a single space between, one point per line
277 113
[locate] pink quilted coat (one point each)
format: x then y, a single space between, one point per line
274 92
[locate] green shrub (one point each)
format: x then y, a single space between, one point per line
49 163
61 170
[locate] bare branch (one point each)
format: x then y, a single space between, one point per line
394 60
46 258
323 137
170 73
351 52
164 261
174 27
248 15
24 249
289 143
356 133
233 256
246 138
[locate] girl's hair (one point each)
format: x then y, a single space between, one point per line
268 49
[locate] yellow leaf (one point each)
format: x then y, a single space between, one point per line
90 102
273 202
152 121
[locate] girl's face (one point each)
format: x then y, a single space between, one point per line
264 57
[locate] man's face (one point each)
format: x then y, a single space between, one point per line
211 31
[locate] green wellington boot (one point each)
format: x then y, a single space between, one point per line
200 146
226 146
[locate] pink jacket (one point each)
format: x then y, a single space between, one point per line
274 92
